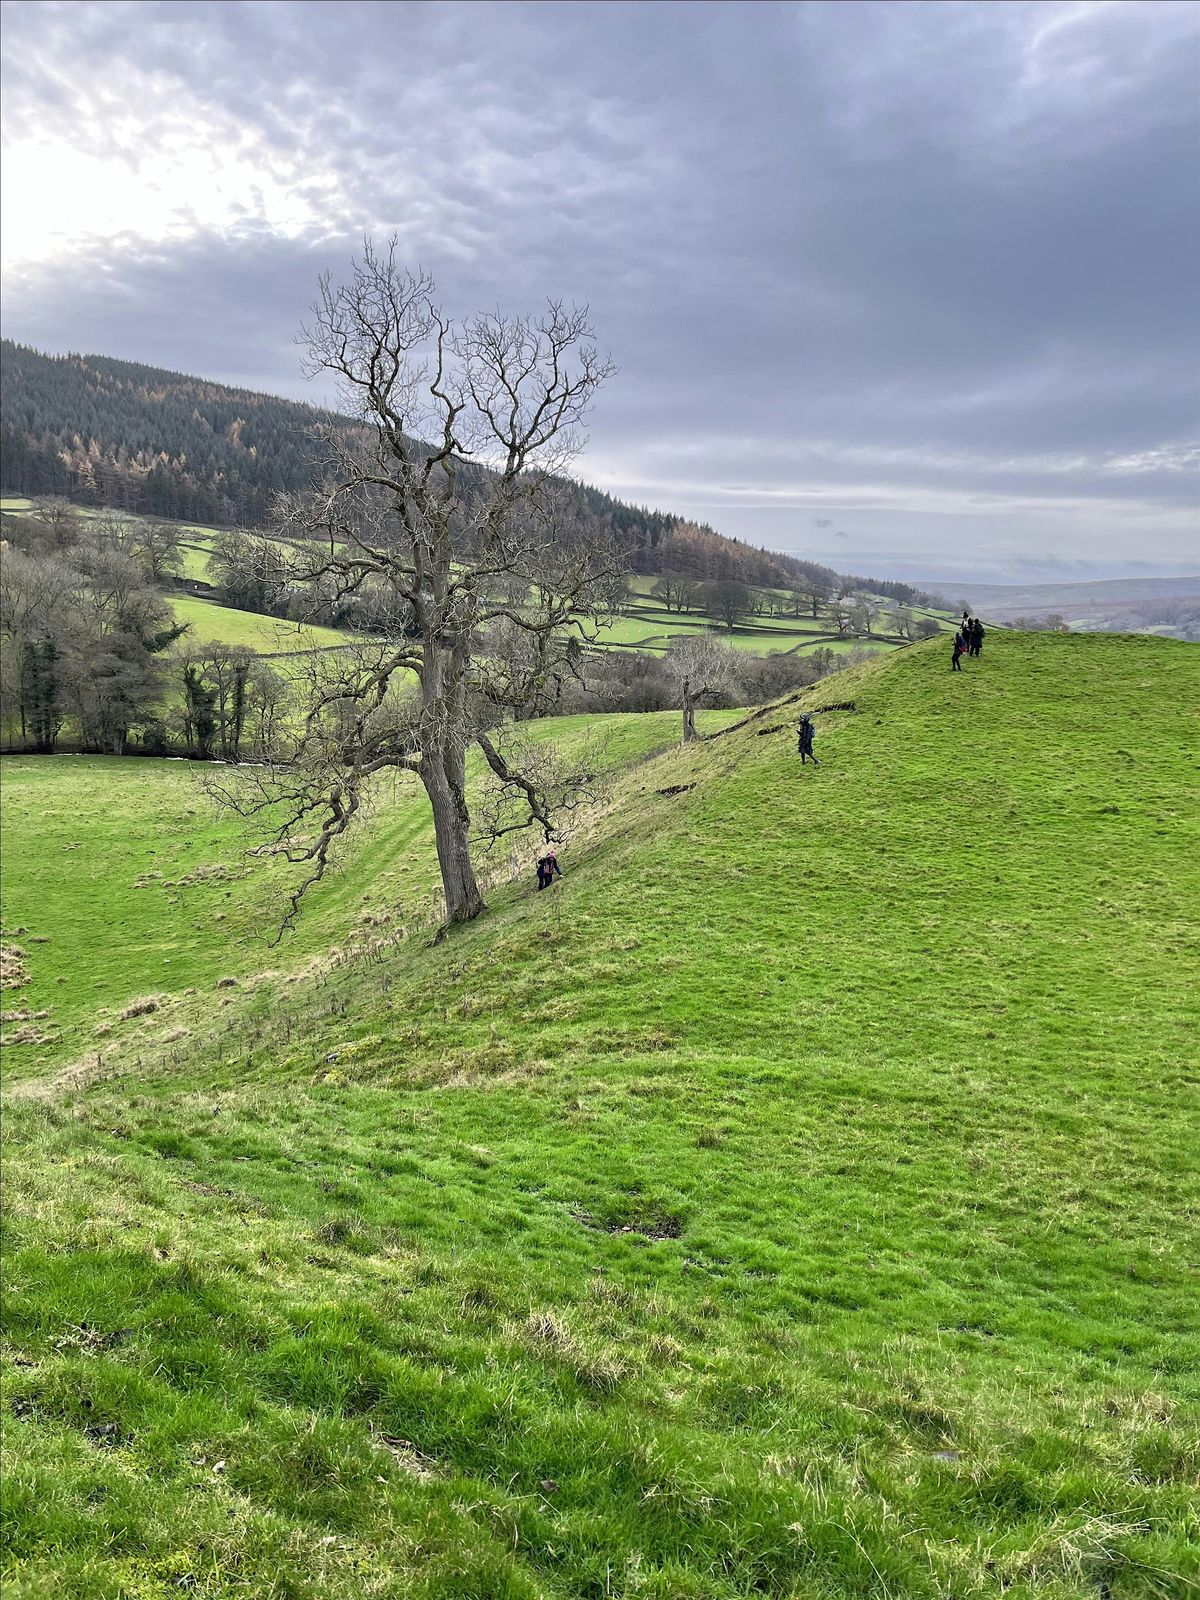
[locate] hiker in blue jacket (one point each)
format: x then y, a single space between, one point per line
804 740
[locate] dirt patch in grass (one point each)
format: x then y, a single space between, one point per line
647 1221
14 970
406 1454
142 1007
28 1034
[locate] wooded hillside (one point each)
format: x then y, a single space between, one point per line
115 433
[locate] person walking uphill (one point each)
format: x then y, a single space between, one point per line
804 740
960 649
546 868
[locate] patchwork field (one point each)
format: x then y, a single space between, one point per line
796 1201
209 622
646 625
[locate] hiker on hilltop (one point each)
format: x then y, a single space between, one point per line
546 868
804 740
977 631
959 650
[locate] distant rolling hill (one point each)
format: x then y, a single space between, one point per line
1117 605
1108 591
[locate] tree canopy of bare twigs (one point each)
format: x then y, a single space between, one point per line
700 668
443 502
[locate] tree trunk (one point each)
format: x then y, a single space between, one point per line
451 824
443 772
689 716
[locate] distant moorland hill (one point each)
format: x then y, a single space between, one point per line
1115 605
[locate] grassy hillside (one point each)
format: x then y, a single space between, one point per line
127 878
208 622
796 1201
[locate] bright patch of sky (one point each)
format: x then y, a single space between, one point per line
903 286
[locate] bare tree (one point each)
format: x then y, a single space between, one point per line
676 591
903 621
157 550
842 615
446 499
1051 622
217 683
31 593
59 520
534 784
700 668
808 590
113 532
818 589
727 599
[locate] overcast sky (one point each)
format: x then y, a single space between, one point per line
911 288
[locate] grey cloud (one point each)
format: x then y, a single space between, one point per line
936 261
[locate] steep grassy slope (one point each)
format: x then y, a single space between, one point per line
794 1202
123 878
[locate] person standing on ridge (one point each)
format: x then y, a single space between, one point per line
960 648
977 631
546 868
804 740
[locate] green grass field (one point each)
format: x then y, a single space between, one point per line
199 533
797 1201
138 881
209 622
194 564
653 633
650 627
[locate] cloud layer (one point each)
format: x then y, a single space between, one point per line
902 285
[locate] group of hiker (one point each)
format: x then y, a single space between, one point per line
968 641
